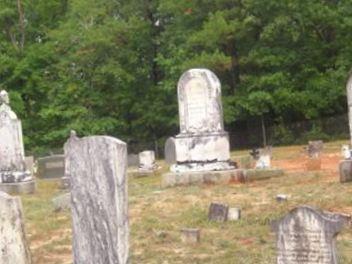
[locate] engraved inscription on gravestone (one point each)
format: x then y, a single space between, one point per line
307 236
199 96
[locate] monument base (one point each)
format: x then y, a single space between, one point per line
26 187
202 166
141 173
217 177
345 170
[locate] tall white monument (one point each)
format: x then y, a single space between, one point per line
14 177
345 166
203 144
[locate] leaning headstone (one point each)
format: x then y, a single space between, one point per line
14 176
170 151
218 212
51 167
13 245
147 161
345 166
99 202
133 160
203 144
307 235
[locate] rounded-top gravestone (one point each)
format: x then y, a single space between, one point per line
199 98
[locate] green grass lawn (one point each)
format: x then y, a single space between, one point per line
157 215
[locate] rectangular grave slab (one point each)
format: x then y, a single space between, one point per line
13 244
308 236
99 203
51 167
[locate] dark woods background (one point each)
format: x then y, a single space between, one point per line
111 67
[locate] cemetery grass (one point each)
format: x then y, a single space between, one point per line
157 215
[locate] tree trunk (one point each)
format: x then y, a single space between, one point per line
21 24
263 131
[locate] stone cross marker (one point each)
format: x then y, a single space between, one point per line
202 143
97 167
12 160
13 244
307 236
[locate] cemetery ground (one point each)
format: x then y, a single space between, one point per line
157 215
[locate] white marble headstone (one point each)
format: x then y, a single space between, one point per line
99 203
147 160
199 98
11 144
12 160
202 144
13 244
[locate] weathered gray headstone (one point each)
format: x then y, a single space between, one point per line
315 148
13 244
13 171
218 212
147 161
307 236
203 144
51 167
133 160
345 169
170 151
190 235
99 202
62 202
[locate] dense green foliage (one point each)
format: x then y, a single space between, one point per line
111 66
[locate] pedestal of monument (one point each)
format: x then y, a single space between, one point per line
171 179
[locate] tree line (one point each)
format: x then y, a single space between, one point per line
112 66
